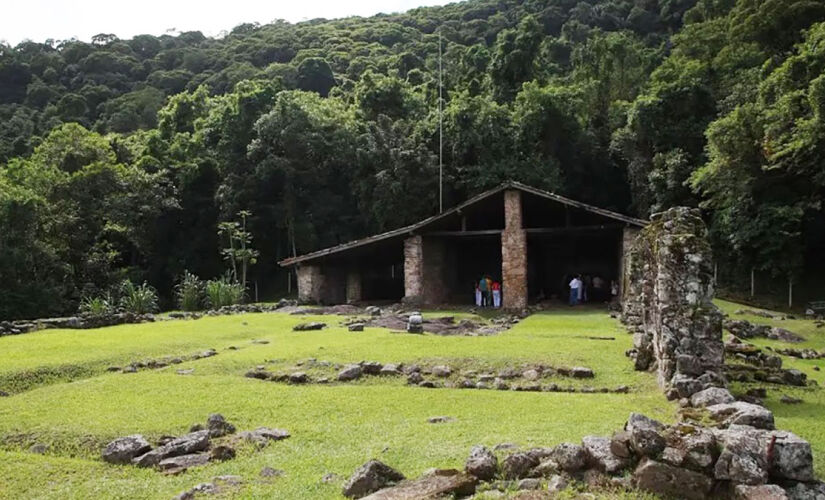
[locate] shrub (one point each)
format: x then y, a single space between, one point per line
222 292
96 306
190 292
142 299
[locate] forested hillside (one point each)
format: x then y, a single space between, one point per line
119 158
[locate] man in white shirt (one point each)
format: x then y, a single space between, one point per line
575 288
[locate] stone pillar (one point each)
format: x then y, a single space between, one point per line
413 269
310 283
353 287
513 253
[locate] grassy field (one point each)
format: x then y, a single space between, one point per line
63 397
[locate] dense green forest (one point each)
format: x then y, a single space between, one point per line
119 158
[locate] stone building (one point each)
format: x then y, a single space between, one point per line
530 239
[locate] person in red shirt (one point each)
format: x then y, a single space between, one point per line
496 286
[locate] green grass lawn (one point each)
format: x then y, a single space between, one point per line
64 398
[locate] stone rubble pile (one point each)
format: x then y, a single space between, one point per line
523 378
683 460
154 364
203 444
760 367
744 329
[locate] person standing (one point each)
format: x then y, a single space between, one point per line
575 290
477 294
485 291
496 294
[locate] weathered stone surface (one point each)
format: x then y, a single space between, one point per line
665 479
600 456
442 371
371 367
369 478
298 378
743 458
569 457
183 462
481 463
437 484
620 444
306 327
645 435
807 491
350 372
557 483
513 253
222 453
711 396
390 369
123 450
790 456
742 413
356 327
761 492
263 435
518 465
218 426
696 446
184 445
530 483
581 372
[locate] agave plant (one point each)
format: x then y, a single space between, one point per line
140 299
223 292
96 306
189 292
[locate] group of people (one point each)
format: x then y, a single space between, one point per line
591 289
487 292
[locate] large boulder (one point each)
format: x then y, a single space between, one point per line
791 456
691 447
481 463
646 437
369 478
667 480
600 456
743 458
742 413
437 484
185 445
807 491
123 450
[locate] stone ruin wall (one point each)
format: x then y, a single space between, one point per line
668 304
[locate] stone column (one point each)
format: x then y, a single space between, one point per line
413 269
310 283
513 254
353 287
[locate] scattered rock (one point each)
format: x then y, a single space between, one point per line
789 400
529 483
440 420
222 453
349 373
176 465
371 367
123 450
437 484
355 327
270 472
743 458
390 369
306 327
557 484
481 463
581 372
415 378
645 435
369 478
39 448
263 435
298 378
185 445
218 426
202 489
531 375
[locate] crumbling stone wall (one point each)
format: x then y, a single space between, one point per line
310 283
668 304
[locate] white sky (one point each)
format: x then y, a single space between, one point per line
39 20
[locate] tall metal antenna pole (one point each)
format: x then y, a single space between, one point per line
440 135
